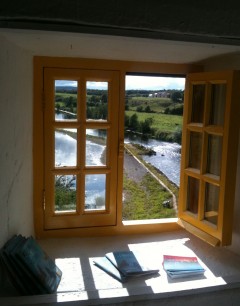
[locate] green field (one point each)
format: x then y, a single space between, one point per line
167 123
157 105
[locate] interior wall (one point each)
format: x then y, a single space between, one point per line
16 83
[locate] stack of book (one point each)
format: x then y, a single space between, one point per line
182 266
123 265
30 270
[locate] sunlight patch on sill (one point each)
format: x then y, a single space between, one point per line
72 278
72 296
150 221
84 281
113 293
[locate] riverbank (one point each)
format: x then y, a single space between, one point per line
144 193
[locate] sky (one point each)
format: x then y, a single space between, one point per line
136 82
154 83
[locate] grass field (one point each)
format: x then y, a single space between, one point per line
156 104
144 201
167 123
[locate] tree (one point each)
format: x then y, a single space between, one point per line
177 96
146 126
147 109
104 98
134 123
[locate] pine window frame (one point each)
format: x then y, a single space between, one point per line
121 227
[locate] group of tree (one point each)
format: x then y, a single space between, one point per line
65 193
132 124
145 130
96 103
97 106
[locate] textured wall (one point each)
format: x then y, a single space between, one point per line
209 21
16 142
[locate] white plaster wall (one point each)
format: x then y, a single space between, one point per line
16 83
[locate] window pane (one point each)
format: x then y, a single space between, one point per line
95 192
195 150
65 193
96 145
218 101
192 195
198 103
214 155
65 100
211 203
97 101
65 147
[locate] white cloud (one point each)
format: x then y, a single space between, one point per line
135 82
97 85
154 83
65 83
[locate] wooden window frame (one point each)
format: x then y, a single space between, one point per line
124 67
196 221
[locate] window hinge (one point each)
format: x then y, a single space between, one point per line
43 199
121 148
43 100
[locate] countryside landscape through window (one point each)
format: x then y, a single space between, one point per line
153 130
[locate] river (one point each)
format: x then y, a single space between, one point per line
167 158
66 155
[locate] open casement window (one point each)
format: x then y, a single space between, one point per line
80 148
209 155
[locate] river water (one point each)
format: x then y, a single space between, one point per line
66 155
167 158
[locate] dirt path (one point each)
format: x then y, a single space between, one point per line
133 168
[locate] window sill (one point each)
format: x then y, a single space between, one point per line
85 284
150 221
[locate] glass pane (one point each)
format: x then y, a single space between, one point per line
198 103
214 155
211 203
95 192
97 101
195 150
66 100
192 195
218 101
96 146
65 193
65 147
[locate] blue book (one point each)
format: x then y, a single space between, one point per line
29 268
40 265
130 263
106 265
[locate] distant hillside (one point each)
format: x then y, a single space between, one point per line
69 89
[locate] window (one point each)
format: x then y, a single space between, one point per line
80 142
80 192
209 154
